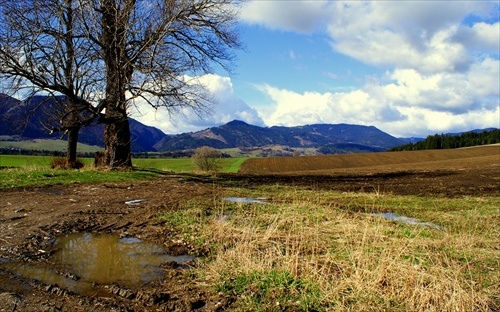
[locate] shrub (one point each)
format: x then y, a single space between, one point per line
62 163
206 158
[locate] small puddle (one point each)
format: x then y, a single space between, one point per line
224 218
135 202
407 220
101 259
245 200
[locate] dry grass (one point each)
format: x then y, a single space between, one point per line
309 251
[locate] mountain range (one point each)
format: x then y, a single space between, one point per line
240 134
17 119
32 119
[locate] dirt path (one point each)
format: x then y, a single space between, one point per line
30 220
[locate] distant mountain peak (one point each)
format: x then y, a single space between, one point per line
237 122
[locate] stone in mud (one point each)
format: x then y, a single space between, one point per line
123 292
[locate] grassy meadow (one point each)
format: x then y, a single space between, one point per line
315 250
26 171
48 145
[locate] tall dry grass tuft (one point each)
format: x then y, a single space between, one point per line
343 261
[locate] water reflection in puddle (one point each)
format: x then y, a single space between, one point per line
407 220
45 275
245 200
101 259
107 259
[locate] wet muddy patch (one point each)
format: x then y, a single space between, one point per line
80 261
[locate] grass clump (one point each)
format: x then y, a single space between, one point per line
62 163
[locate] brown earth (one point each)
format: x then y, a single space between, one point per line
30 219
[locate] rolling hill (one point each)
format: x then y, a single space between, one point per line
17 119
23 120
31 119
240 134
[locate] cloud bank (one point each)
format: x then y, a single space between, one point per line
227 107
441 61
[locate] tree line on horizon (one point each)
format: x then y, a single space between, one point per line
449 141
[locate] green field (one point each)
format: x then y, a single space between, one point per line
48 145
184 164
163 164
23 171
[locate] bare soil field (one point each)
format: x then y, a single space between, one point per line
468 171
30 219
387 161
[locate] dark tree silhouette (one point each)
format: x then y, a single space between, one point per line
42 50
149 50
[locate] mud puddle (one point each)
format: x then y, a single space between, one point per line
83 260
246 200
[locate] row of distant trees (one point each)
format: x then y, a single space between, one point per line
30 152
103 56
446 141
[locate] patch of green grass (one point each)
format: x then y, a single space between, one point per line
272 291
32 162
28 177
163 164
49 145
231 164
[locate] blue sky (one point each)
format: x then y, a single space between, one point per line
410 68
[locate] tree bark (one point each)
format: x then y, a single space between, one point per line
117 138
118 75
72 147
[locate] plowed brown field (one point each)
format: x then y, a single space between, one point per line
375 162
468 171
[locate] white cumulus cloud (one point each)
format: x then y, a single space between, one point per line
407 104
227 107
441 61
298 16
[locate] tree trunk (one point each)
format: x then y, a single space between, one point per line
117 138
118 75
72 147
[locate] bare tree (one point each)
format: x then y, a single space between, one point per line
150 48
42 50
207 158
124 51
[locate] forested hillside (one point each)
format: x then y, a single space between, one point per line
445 141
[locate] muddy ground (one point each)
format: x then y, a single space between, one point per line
30 219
